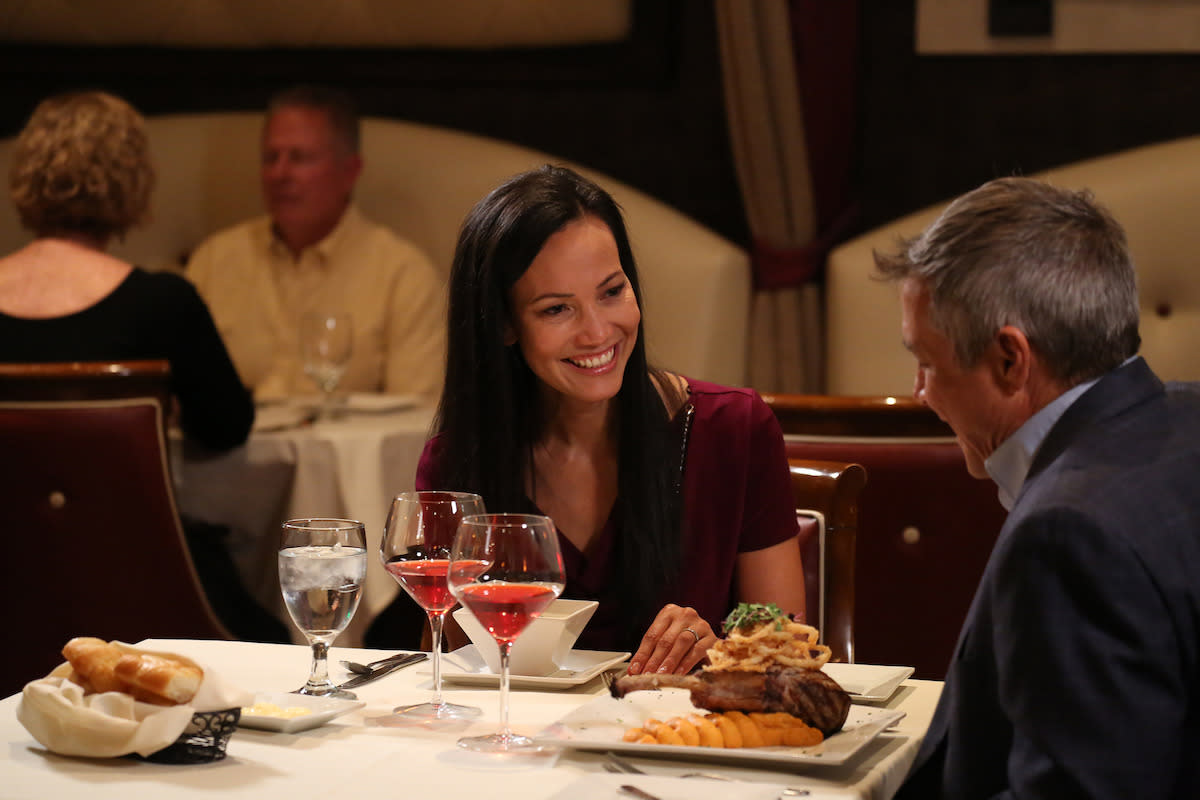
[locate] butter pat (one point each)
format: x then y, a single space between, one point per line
273 710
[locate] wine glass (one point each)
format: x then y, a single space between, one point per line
326 342
322 563
505 569
416 552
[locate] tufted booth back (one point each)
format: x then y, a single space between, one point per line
421 181
1153 191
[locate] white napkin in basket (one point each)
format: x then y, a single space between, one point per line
64 720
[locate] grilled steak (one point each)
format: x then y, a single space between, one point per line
808 694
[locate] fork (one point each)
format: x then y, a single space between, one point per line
616 764
365 669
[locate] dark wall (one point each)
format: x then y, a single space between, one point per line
649 112
935 126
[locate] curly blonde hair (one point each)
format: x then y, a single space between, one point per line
82 166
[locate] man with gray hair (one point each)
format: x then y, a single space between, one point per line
1077 671
315 251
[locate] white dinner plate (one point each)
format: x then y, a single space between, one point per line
465 665
374 402
280 417
322 710
867 682
601 724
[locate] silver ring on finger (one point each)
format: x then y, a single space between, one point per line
693 633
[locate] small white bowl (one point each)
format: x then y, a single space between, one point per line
542 646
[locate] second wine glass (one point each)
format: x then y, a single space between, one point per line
505 568
326 344
416 552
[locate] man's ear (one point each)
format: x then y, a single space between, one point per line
1011 358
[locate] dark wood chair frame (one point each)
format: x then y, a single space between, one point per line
830 415
89 380
830 489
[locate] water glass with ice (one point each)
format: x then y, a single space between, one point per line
322 564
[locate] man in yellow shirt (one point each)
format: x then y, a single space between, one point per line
315 251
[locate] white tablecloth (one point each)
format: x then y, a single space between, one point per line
349 467
350 759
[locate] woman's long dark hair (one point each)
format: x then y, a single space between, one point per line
489 417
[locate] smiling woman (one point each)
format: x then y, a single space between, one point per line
671 495
575 316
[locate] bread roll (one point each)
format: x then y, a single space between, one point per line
101 666
154 679
94 660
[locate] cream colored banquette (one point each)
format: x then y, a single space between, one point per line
421 180
1154 191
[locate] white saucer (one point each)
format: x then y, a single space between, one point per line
322 709
867 682
466 666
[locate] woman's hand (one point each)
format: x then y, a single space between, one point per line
675 642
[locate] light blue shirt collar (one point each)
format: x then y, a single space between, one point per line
1009 464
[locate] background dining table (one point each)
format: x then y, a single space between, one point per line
353 756
295 466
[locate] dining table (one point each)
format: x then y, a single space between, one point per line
298 463
361 755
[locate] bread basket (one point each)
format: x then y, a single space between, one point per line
204 739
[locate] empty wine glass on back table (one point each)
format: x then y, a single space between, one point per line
326 343
505 568
415 550
322 563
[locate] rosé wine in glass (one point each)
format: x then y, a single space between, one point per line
505 569
415 550
425 582
506 609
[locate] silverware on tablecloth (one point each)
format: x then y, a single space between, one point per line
614 763
365 669
386 669
636 792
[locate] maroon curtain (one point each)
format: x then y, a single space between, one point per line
825 48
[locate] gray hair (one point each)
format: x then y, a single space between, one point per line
1049 261
337 106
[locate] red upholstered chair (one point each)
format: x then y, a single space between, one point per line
826 497
925 526
93 544
88 380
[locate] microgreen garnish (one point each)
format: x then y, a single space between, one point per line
747 615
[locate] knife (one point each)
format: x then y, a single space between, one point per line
636 792
379 672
